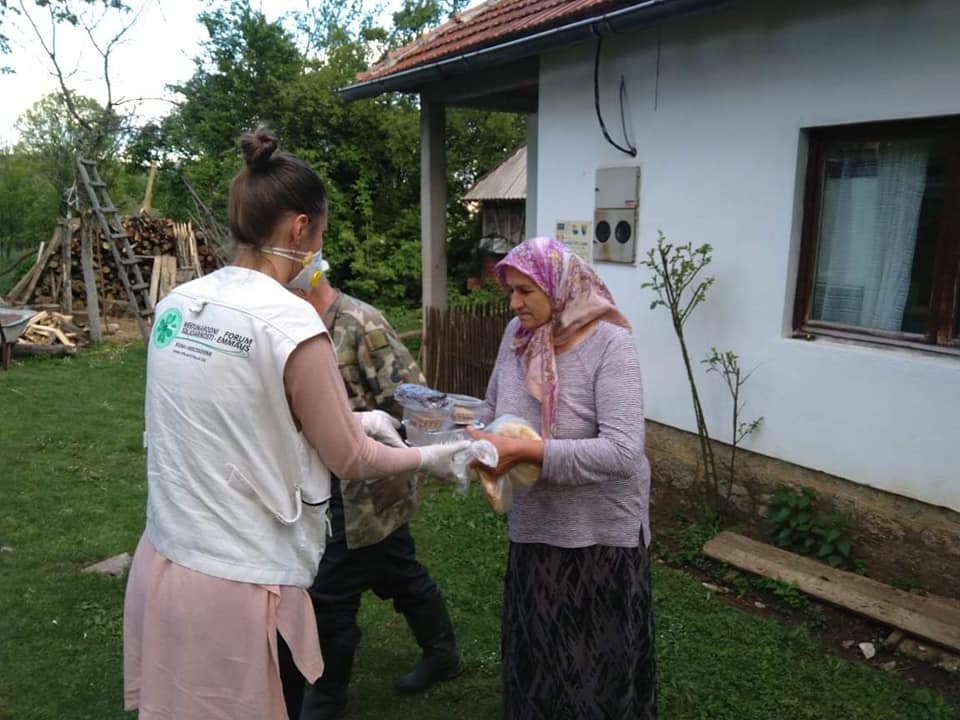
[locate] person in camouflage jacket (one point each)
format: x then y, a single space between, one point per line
371 547
372 361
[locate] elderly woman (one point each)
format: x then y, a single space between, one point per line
577 618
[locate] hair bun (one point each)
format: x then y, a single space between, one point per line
258 147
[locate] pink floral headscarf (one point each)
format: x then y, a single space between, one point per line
578 297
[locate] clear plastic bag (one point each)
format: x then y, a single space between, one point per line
481 450
500 491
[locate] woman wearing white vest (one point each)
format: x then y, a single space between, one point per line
246 417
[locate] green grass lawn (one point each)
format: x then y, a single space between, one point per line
72 491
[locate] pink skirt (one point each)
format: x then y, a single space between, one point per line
197 647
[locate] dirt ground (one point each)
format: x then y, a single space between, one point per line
127 330
840 632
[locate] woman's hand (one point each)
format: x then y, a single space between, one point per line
510 451
382 427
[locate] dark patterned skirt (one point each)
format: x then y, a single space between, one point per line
577 638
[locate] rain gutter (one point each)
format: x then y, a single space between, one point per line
611 23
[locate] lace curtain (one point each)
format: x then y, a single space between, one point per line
871 208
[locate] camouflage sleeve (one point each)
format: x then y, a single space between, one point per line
385 363
348 342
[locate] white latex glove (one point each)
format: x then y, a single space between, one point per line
382 427
437 460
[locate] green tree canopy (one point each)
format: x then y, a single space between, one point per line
52 136
28 203
286 74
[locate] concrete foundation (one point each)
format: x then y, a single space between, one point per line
898 539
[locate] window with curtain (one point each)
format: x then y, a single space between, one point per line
880 258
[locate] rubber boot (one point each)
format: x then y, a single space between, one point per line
326 699
440 661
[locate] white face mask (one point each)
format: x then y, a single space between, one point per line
314 266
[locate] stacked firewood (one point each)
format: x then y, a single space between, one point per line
52 331
149 237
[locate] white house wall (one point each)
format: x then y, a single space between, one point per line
721 149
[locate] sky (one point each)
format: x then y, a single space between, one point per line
158 50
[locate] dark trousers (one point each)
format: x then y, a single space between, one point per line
389 568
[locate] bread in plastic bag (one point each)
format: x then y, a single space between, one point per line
500 491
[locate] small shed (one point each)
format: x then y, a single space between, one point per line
502 194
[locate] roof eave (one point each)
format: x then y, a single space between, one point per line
611 23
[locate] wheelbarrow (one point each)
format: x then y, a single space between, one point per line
13 321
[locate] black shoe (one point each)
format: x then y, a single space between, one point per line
432 669
441 661
326 699
317 706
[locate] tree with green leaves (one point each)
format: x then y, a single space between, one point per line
28 203
51 135
252 71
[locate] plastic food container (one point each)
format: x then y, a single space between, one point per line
425 409
428 419
465 409
421 438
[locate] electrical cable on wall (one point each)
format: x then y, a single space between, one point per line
630 149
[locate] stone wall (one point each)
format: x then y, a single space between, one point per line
898 539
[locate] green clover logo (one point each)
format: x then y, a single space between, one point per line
167 328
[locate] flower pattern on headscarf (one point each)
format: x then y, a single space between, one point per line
578 297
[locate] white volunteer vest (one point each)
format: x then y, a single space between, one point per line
234 489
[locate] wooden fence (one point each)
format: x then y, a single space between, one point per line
461 346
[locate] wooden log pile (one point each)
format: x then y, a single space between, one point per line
56 280
50 333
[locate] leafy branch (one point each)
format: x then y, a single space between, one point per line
675 281
680 286
727 366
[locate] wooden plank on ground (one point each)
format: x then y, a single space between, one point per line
931 617
29 350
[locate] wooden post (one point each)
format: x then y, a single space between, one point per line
66 259
90 280
194 253
433 216
530 209
433 203
155 280
148 195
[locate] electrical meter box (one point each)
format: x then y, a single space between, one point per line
615 214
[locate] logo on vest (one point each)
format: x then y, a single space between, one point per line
197 341
167 328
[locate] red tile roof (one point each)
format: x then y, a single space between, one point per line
483 25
